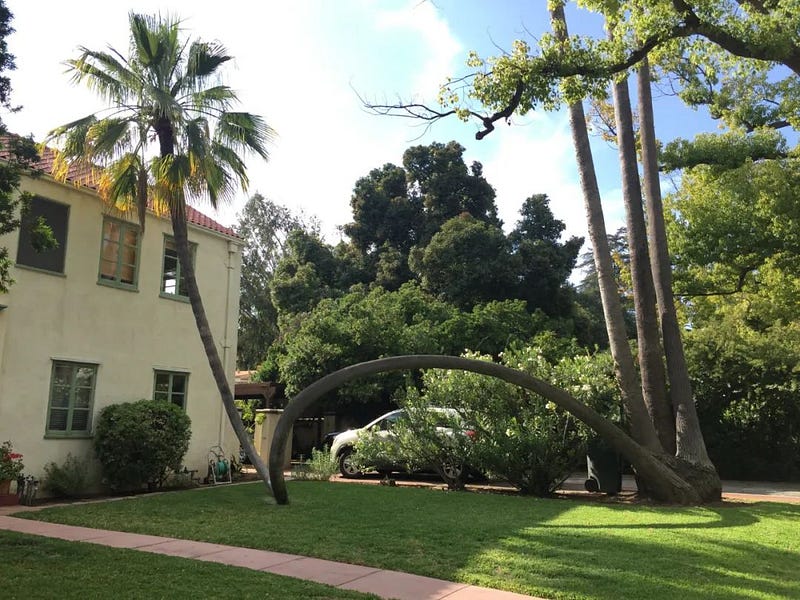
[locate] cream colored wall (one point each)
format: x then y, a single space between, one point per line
129 333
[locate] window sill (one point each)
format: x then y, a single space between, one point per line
51 435
118 286
38 270
184 299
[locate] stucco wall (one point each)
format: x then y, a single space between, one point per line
128 333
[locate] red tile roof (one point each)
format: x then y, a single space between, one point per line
86 176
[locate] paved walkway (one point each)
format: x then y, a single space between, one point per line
382 583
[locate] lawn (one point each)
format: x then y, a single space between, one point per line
42 568
551 548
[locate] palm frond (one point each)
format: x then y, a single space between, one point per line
244 132
154 39
109 138
76 130
119 182
214 99
105 74
203 61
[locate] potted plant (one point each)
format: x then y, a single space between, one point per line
10 469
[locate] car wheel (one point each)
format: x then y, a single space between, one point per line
347 463
452 471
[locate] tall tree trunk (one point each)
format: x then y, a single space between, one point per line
651 366
690 445
177 212
180 230
641 426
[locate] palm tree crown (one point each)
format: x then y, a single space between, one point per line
166 91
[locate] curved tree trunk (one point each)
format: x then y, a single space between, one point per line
663 482
628 381
651 366
179 229
690 445
177 213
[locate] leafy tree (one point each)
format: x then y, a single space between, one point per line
366 323
542 262
18 156
171 135
403 207
438 177
311 270
264 226
384 213
746 379
466 262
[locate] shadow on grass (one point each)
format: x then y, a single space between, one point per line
551 548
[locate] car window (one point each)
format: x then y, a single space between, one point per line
390 421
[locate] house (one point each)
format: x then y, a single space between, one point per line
104 318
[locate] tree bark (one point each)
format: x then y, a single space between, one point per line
179 229
651 366
627 379
177 211
690 445
663 482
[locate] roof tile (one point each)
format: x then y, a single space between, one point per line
85 176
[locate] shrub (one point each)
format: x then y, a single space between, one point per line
71 479
320 467
138 443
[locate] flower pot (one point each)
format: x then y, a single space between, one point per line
7 499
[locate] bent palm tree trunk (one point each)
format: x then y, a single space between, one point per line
180 231
665 483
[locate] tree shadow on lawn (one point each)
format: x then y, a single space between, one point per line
552 548
739 551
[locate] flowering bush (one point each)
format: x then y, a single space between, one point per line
10 462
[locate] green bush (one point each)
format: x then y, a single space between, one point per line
139 443
320 467
71 479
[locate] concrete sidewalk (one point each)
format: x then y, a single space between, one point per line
382 583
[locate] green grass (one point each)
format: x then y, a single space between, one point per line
551 548
42 568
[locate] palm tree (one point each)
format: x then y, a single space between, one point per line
166 91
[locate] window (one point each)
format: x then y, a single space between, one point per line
173 283
56 216
171 387
71 397
119 253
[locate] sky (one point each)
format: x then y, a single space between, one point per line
303 65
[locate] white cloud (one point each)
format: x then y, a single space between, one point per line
440 46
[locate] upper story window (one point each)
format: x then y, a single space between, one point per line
119 254
173 282
56 216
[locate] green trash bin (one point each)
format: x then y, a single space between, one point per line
604 468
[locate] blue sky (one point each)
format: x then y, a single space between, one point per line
299 64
